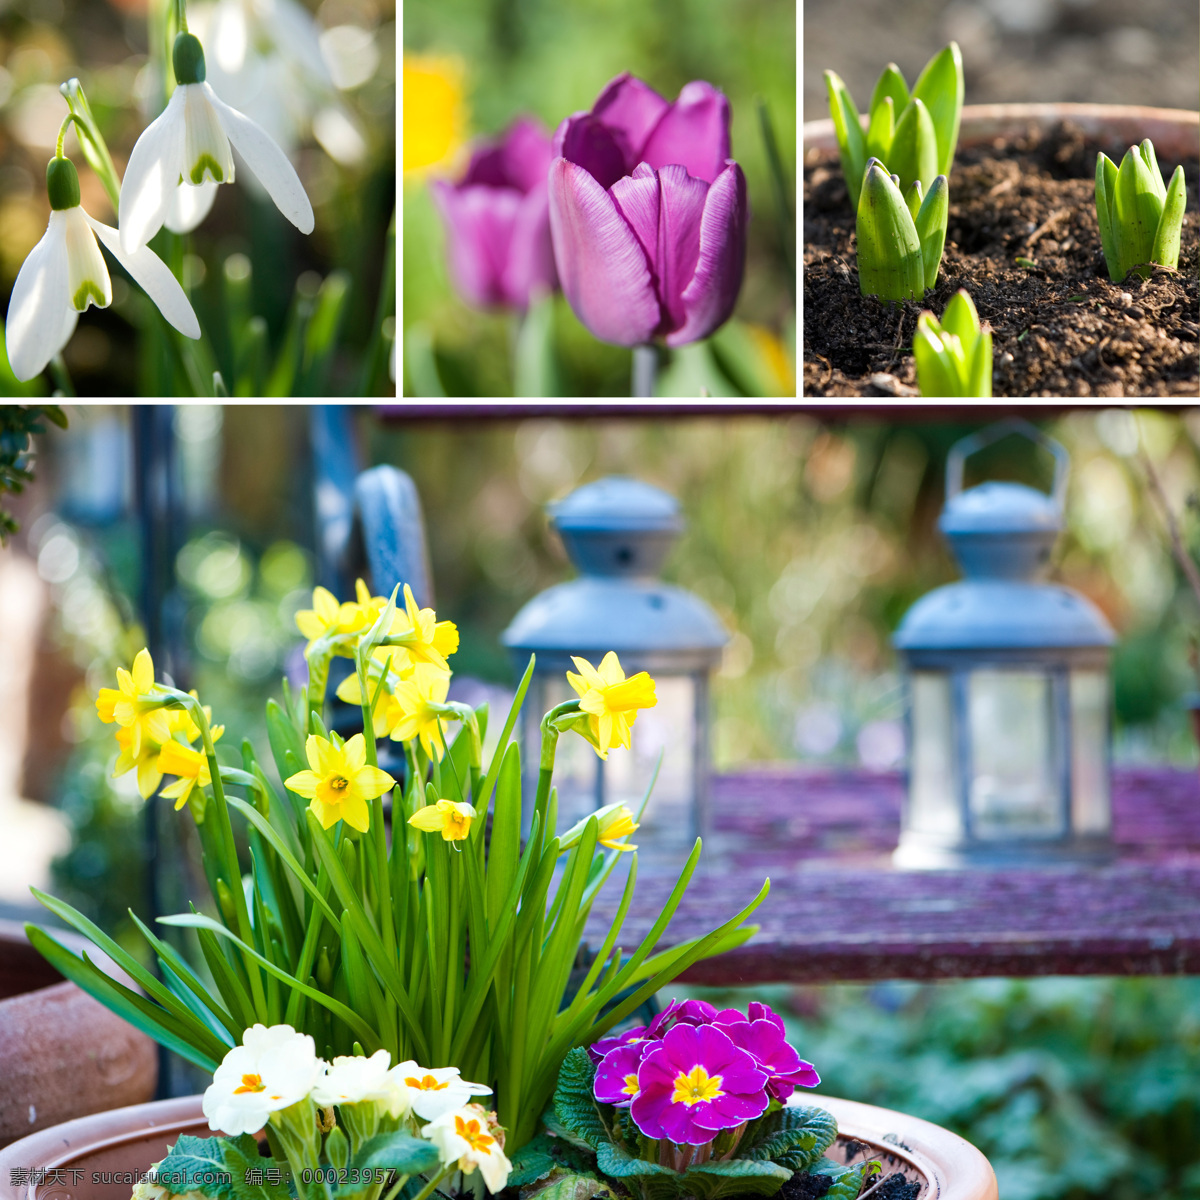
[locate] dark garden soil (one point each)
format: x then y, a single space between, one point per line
1060 326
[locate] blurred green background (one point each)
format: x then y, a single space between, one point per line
811 534
282 314
551 59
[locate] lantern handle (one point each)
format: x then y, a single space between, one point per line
965 447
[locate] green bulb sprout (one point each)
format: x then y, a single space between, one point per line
1140 219
954 355
913 133
900 237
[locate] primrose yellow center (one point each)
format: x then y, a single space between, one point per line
250 1083
696 1086
631 1085
426 1083
472 1134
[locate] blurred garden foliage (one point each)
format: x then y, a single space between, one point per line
508 57
281 314
1075 1089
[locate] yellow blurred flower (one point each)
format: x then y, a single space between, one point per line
776 362
131 707
611 701
434 111
451 818
340 782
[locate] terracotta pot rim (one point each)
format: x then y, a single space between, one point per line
1174 131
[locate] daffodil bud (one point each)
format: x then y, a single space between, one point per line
187 57
62 184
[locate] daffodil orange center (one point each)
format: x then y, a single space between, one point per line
339 783
472 1134
250 1083
696 1086
426 1083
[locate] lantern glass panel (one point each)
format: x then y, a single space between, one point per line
933 792
584 782
1014 788
1090 805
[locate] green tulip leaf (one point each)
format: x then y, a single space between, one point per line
848 127
1136 214
889 252
891 86
914 151
940 86
931 221
1170 223
1106 191
882 129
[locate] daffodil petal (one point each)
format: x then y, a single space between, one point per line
372 782
354 754
191 204
267 161
303 783
154 277
427 819
148 189
610 669
34 328
356 814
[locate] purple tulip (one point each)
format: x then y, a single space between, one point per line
648 214
497 223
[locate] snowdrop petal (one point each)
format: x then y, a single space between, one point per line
34 329
87 275
148 189
154 277
206 153
267 161
190 206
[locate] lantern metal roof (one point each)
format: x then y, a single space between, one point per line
618 532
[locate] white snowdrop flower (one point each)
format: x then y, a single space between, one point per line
65 272
435 1091
466 1137
272 1069
190 143
353 1079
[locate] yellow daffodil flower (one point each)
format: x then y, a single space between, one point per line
329 618
616 822
611 701
451 818
386 712
147 761
131 706
425 638
420 701
190 765
340 782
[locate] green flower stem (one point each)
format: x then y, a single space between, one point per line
318 681
430 1187
61 376
645 370
91 140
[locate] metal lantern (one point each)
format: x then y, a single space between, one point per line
617 533
1008 687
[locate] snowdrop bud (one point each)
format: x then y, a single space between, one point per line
188 59
62 184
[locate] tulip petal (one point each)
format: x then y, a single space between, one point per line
527 155
603 269
267 161
631 109
154 277
683 202
34 326
530 265
587 142
479 223
190 205
710 296
148 188
693 133
639 201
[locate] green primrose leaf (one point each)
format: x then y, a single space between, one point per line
1170 224
736 1177
940 87
914 149
1106 190
571 1186
931 221
846 124
794 1137
891 86
575 1103
1136 212
889 252
882 129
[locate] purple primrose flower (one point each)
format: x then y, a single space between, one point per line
641 1033
497 220
617 1075
648 214
694 1083
765 1040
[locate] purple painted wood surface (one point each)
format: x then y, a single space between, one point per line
839 911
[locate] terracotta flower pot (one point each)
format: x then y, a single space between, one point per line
62 1054
100 1157
1174 132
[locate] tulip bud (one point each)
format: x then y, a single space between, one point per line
1140 219
899 249
954 356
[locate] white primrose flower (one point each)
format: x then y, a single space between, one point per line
190 143
353 1079
466 1137
435 1091
65 272
272 1069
